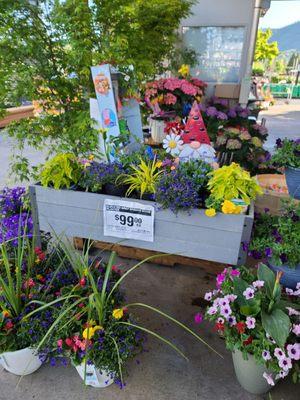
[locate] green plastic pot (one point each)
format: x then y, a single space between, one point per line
250 374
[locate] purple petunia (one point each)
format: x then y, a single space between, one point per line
248 293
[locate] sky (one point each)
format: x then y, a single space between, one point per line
281 13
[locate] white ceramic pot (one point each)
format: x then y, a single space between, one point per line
20 362
157 129
94 377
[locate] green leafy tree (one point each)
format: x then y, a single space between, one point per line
265 51
47 48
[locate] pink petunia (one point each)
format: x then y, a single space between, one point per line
258 284
285 363
282 374
225 311
292 311
266 355
198 318
279 353
208 296
248 293
296 329
235 272
212 310
250 322
220 279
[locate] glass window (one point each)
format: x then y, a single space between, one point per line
219 50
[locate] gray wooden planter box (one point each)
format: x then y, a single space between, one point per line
80 214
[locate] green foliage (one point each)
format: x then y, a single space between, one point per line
278 237
287 153
142 178
260 322
265 51
232 182
47 48
61 171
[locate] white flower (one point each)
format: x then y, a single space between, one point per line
258 284
266 355
208 296
248 293
269 378
212 310
250 322
282 374
172 144
289 291
225 311
279 353
285 363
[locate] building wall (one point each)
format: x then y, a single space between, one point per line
224 13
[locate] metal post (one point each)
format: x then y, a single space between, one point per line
35 216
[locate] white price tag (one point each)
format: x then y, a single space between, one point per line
128 220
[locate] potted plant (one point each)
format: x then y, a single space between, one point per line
95 328
61 171
276 240
260 325
231 189
23 278
99 177
287 155
142 178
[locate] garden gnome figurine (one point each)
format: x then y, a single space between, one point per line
196 143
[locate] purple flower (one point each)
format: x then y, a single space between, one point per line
220 279
225 311
231 320
232 113
248 293
285 363
250 322
279 353
279 143
212 310
211 111
222 116
235 272
284 258
296 329
266 355
293 351
268 252
258 284
282 374
208 296
198 318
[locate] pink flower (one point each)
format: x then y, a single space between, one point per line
225 311
172 84
169 98
250 322
266 355
285 363
293 351
220 280
231 297
258 284
269 378
248 293
235 272
292 311
60 343
188 88
212 310
223 302
296 329
220 320
282 374
198 318
208 296
279 353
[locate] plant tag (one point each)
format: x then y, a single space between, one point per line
91 377
128 219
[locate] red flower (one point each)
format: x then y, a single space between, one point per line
240 326
248 341
29 283
219 327
37 250
81 305
41 256
69 342
9 325
82 282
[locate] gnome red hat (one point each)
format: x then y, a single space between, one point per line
195 130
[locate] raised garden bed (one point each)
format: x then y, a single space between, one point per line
80 214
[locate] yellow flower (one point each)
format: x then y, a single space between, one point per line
97 328
5 313
91 157
37 260
92 322
238 209
158 164
210 212
228 207
88 333
118 313
85 272
184 70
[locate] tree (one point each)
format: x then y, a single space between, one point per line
265 51
48 46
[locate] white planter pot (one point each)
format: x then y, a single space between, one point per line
94 377
20 362
157 129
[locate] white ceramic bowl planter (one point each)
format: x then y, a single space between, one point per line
93 376
20 362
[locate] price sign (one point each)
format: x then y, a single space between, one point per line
128 220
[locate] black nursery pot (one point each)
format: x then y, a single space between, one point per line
115 190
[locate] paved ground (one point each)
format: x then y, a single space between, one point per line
283 120
161 374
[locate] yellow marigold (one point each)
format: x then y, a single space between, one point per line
184 70
118 313
210 212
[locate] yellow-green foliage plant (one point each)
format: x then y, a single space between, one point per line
61 171
142 178
233 182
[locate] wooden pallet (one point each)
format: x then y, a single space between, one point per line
141 254
15 114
